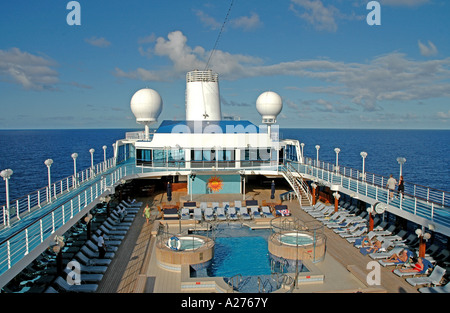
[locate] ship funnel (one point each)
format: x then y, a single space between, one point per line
202 96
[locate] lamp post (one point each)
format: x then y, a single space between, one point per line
92 160
314 186
317 155
337 150
49 163
104 157
6 174
74 157
401 161
302 145
422 243
363 155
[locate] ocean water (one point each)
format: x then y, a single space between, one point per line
427 153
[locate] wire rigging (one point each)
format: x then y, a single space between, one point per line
220 33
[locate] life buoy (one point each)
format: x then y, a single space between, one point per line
174 243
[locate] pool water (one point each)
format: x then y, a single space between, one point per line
248 256
239 250
296 239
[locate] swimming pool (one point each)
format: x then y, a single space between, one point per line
240 250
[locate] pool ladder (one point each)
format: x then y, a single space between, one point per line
238 278
262 285
283 280
283 262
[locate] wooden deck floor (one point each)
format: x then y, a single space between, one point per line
133 269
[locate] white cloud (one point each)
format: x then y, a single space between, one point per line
207 20
31 71
184 59
429 50
391 77
323 17
316 13
443 115
98 42
247 23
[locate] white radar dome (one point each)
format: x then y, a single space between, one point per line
269 105
146 105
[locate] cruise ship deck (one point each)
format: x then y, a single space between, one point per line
134 270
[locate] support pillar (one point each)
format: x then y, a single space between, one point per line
314 186
422 247
336 201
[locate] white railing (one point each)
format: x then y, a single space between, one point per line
45 195
348 179
22 240
436 196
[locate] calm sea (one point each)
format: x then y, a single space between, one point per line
427 153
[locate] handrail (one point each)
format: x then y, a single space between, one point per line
305 187
43 196
429 194
231 281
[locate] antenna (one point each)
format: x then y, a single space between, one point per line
220 33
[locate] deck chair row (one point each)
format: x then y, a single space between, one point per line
86 270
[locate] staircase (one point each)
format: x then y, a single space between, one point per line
300 188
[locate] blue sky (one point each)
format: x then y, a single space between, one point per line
330 67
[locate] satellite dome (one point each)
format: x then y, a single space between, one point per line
146 105
269 105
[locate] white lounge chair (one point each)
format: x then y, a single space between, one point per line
266 211
209 214
352 237
83 259
198 214
317 207
185 215
437 289
62 283
232 215
434 279
244 213
255 212
384 254
92 255
220 214
84 277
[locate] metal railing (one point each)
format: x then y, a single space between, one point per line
374 187
46 195
429 194
44 222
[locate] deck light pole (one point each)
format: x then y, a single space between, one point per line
92 160
74 157
6 174
49 163
302 145
363 155
337 150
104 157
401 161
317 155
